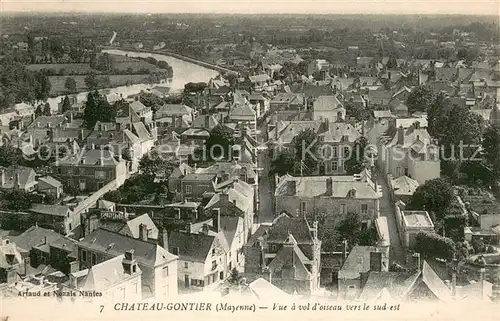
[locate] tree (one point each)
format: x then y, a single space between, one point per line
154 164
70 85
306 152
357 160
91 113
284 163
420 99
435 195
431 245
349 228
38 111
18 200
91 81
93 61
46 110
66 104
219 143
491 148
357 111
42 91
10 156
235 277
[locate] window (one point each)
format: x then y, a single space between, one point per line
93 259
165 271
82 171
178 213
134 268
329 167
406 171
100 174
84 256
135 288
186 265
342 208
303 207
122 293
213 252
335 166
334 151
364 208
364 225
214 265
347 150
188 189
351 287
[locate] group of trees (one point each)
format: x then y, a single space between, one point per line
97 109
17 84
300 158
43 110
431 245
93 81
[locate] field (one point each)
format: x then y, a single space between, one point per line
122 63
116 80
70 69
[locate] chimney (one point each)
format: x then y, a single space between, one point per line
327 125
207 121
205 229
216 219
224 198
143 232
17 183
376 261
129 263
416 125
315 230
82 134
401 135
74 266
2 178
292 188
11 275
92 146
27 264
329 186
163 240
189 228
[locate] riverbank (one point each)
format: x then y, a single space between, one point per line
178 56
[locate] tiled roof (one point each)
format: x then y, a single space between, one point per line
291 255
23 174
192 247
9 249
34 236
107 274
284 225
50 181
199 177
45 121
242 111
395 284
259 78
133 226
90 157
200 122
56 210
115 244
173 110
326 103
337 131
315 186
404 185
435 284
141 131
264 290
417 219
357 262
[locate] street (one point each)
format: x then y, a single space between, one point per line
397 253
266 191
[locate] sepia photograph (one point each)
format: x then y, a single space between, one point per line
239 160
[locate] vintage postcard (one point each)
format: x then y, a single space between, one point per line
237 160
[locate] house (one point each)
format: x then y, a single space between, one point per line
141 227
410 223
328 107
337 140
287 101
50 186
403 188
45 247
379 97
287 253
242 113
409 152
118 278
11 262
259 81
57 217
91 170
231 170
189 212
336 196
202 257
361 260
235 199
422 286
199 131
158 266
195 186
174 112
18 178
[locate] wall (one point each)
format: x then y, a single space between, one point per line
422 171
166 285
195 270
329 205
129 290
489 220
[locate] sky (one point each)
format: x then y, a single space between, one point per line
474 7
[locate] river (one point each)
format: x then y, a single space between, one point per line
184 72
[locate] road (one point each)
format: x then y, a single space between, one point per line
266 190
397 253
